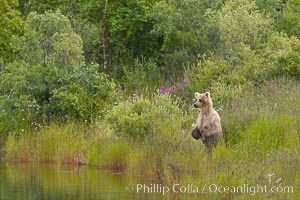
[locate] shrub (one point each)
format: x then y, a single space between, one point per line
204 73
32 94
282 55
139 117
84 95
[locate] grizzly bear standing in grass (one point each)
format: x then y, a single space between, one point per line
208 122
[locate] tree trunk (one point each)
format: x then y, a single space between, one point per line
102 40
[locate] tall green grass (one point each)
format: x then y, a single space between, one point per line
260 126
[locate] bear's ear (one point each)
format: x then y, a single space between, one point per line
196 95
207 94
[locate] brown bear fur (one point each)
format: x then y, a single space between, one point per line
208 122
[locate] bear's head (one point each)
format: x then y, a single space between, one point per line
203 101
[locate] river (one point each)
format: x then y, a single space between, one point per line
23 181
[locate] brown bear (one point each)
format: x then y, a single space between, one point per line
208 122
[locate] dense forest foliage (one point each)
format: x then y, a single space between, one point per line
75 60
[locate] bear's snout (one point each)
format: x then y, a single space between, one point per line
196 104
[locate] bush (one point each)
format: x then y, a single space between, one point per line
84 95
282 53
33 94
202 75
139 117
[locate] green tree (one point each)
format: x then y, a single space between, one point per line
290 22
241 23
274 8
78 14
50 79
11 24
69 8
187 30
18 86
49 40
282 55
123 31
249 50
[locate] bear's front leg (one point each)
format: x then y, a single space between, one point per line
196 133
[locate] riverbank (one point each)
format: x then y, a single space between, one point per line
261 137
228 167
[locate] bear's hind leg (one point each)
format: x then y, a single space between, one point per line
210 142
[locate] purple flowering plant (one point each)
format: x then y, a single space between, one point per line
181 92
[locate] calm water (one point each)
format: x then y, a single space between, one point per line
42 181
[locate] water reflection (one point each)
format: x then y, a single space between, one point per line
36 181
46 181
